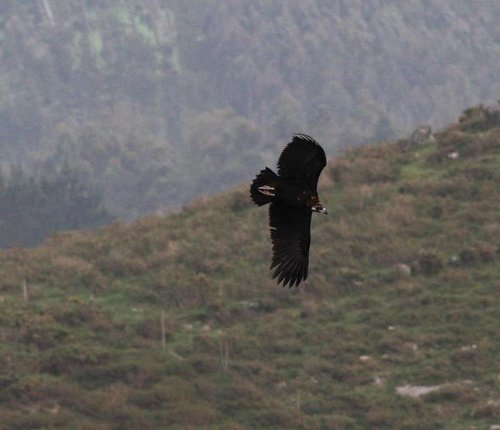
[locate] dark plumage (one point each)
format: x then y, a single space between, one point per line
293 196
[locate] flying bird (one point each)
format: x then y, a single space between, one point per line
292 197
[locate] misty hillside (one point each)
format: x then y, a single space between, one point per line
153 103
173 321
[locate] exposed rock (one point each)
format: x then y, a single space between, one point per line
422 134
416 391
411 346
454 260
402 268
468 347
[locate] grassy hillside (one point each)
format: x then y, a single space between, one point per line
403 292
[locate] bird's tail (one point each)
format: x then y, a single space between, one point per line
266 177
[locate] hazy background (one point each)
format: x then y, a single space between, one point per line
116 109
122 108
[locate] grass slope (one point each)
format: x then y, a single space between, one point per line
84 351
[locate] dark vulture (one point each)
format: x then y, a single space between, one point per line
293 197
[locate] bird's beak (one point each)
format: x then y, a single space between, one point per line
323 210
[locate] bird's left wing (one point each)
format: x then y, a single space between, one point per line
302 159
291 238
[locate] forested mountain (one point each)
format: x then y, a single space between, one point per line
160 101
31 208
174 322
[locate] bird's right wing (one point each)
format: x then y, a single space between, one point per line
291 238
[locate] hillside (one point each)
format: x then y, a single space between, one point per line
403 292
144 98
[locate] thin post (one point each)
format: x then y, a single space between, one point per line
163 335
25 290
224 354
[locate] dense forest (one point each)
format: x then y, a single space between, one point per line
31 208
165 323
152 103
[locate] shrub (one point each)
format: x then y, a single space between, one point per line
427 263
481 253
41 331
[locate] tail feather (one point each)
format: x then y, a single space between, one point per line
265 177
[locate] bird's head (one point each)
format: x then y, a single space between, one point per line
318 207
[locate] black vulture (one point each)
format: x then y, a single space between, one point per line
293 197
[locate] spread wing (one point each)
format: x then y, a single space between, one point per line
291 237
302 159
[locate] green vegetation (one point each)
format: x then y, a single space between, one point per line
403 291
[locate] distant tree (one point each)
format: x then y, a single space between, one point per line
286 117
383 129
31 208
220 147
